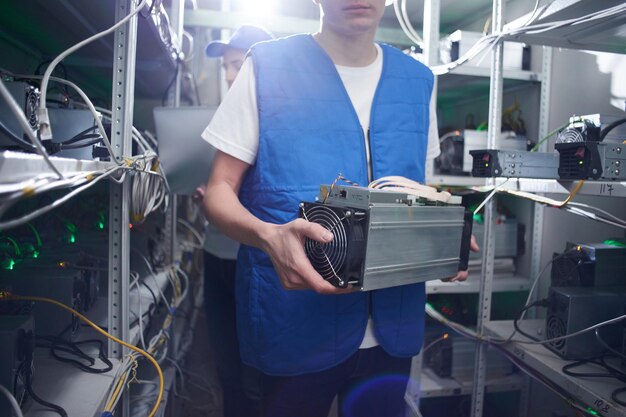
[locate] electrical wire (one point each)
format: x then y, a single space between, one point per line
43 112
414 188
12 401
13 297
91 181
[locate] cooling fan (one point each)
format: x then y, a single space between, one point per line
337 261
30 107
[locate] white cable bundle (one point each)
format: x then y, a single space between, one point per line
405 185
148 189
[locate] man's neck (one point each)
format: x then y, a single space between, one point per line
351 51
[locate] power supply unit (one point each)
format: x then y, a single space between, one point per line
27 96
515 164
15 333
596 160
591 146
575 308
73 287
386 238
589 265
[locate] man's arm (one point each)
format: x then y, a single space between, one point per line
283 243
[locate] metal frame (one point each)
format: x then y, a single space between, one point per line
486 281
124 58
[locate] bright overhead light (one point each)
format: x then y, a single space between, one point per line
258 9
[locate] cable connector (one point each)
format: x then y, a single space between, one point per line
45 130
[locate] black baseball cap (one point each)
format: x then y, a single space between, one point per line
243 38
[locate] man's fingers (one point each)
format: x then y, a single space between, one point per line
315 231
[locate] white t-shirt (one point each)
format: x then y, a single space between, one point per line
240 139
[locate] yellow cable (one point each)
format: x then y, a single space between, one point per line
116 392
157 404
572 194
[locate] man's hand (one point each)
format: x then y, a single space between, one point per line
462 275
285 246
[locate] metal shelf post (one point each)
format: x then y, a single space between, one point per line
486 281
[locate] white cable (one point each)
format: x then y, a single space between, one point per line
486 200
43 112
193 231
21 118
16 407
606 213
25 219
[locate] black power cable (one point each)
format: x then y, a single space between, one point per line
610 127
58 345
538 303
26 367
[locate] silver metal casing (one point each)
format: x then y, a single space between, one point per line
409 240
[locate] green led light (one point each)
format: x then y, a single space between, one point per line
486 165
35 254
100 225
478 218
580 162
71 239
592 411
8 264
612 242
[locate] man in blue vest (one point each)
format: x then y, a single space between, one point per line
303 109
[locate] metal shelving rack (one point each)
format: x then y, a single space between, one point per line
536 356
80 393
431 386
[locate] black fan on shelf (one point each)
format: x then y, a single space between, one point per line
31 106
340 261
573 269
450 160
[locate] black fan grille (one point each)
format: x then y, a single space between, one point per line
566 272
32 103
328 259
573 162
570 135
555 327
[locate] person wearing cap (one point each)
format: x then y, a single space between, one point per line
303 109
220 253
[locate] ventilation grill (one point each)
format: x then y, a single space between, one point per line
570 135
573 162
555 327
482 165
31 106
328 259
565 272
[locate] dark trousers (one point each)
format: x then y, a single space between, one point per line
370 383
219 301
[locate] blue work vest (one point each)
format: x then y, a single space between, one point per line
308 133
